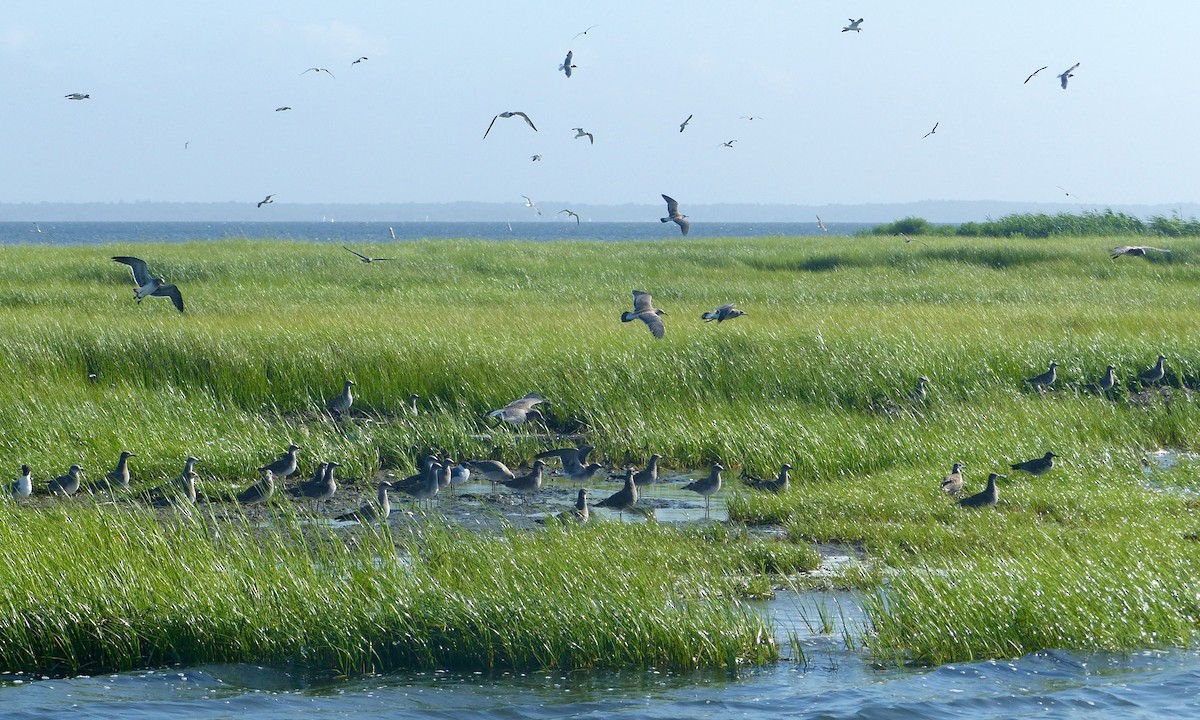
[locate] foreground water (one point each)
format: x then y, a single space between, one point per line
833 683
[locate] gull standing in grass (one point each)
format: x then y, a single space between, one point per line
570 213
644 310
423 485
1135 251
1067 74
259 492
919 393
778 485
1036 466
183 487
1106 382
147 285
378 510
648 475
1045 380
725 312
578 514
684 124
508 114
340 404
1154 375
66 484
285 465
566 66
529 203
117 479
953 483
319 489
520 410
580 132
708 486
365 258
673 215
623 499
22 486
853 26
986 497
412 403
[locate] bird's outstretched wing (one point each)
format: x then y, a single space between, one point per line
1035 72
526 119
364 258
672 205
493 122
141 273
170 291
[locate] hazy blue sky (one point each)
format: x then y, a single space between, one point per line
842 114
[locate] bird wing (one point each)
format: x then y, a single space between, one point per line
526 119
493 122
526 402
311 70
1116 252
567 62
1035 72
591 138
642 302
141 273
684 225
170 291
654 322
672 205
364 258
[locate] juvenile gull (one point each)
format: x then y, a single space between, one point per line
149 286
986 497
570 213
1035 72
424 485
953 483
340 404
648 475
286 464
66 484
180 489
778 485
573 460
1045 380
580 132
117 479
1036 466
566 65
853 26
919 393
365 258
508 114
1154 374
1067 74
267 200
1135 251
673 215
412 403
1106 382
259 492
578 514
708 486
725 312
377 510
623 499
318 489
527 484
493 471
22 486
684 124
644 310
520 410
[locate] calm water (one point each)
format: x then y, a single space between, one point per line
93 233
834 684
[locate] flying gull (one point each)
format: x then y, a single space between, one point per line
364 57
265 201
1067 74
727 144
148 286
535 158
520 410
644 310
684 124
580 132
320 70
531 204
673 215
725 312
821 225
931 131
751 117
566 65
283 108
77 96
1135 251
585 32
1035 72
364 258
570 214
853 26
509 114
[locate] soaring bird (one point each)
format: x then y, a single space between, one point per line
728 144
931 131
644 310
684 124
566 65
580 132
673 215
1035 72
529 203
364 57
283 108
727 311
265 201
77 96
585 32
570 213
520 410
853 26
319 70
364 258
1067 74
508 114
821 225
147 285
1135 251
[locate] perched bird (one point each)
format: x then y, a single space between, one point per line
259 492
267 200
147 285
570 213
931 131
66 484
320 70
322 486
529 203
425 484
340 404
364 57
566 65
365 258
953 483
535 158
1067 74
1035 72
520 410
1154 374
573 460
673 215
281 109
508 114
580 132
684 124
1045 380
644 310
117 479
1106 382
919 393
821 225
648 475
708 486
986 497
527 484
77 96
778 485
181 489
22 486
623 499
1135 251
1036 466
853 26
285 465
378 510
578 514
725 312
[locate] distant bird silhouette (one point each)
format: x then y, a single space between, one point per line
585 32
1135 251
1036 466
751 118
365 258
644 310
566 65
673 215
265 201
931 131
986 497
727 144
77 96
853 26
281 109
684 124
319 70
508 114
1035 72
520 410
821 225
529 203
1067 74
725 312
570 214
364 57
148 285
535 158
580 132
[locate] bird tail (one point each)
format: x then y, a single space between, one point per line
664 220
708 316
628 316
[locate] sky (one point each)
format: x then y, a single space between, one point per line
183 99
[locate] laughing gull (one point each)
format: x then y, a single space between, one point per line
684 124
459 474
919 393
648 475
22 486
623 499
1135 251
673 215
520 410
778 485
66 484
77 96
708 486
1045 380
580 132
570 213
286 464
529 483
529 203
644 310
931 131
953 483
265 201
259 492
728 144
182 488
378 510
360 59
585 32
535 158
1106 382
853 26
282 108
985 497
725 312
1067 74
1155 374
508 114
320 70
321 487
340 403
573 460
365 258
1035 72
821 225
1036 466
117 479
566 65
578 514
148 286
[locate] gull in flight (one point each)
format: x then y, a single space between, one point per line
77 96
585 32
821 225
282 108
520 410
751 117
566 65
673 215
364 57
319 70
148 286
727 144
535 158
530 203
729 311
684 124
509 114
930 132
1035 72
570 214
1135 251
366 259
580 132
644 310
853 26
265 201
1066 74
